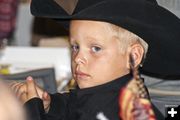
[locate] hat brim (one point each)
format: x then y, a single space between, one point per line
156 25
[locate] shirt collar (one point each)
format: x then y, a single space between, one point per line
113 85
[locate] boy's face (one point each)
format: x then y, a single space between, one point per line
96 58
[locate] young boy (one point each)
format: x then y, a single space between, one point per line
109 40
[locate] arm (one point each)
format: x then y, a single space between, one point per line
34 109
57 111
58 106
38 101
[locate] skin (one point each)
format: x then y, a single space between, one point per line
28 90
10 108
96 59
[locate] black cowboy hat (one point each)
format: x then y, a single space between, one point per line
156 25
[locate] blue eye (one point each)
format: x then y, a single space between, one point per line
96 49
74 48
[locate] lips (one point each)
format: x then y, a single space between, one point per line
80 74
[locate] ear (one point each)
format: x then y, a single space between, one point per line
136 51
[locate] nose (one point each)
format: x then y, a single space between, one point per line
80 58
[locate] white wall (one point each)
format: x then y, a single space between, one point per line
172 5
24 25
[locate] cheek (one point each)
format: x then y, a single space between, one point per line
115 63
73 66
99 64
120 62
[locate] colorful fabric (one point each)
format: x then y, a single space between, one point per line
134 103
8 10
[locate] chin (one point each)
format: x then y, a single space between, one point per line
82 86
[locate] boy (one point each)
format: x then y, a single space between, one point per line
109 40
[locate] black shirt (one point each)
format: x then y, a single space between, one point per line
83 104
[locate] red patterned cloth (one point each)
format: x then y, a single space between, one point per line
133 106
8 9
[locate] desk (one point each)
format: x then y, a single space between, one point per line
23 59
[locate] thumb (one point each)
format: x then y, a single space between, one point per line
31 88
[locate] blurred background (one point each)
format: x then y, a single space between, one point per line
38 47
30 44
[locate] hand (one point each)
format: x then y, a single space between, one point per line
28 90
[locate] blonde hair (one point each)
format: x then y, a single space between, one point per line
127 38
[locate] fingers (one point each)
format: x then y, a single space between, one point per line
18 88
40 91
36 91
31 88
28 90
15 86
23 97
21 90
46 101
